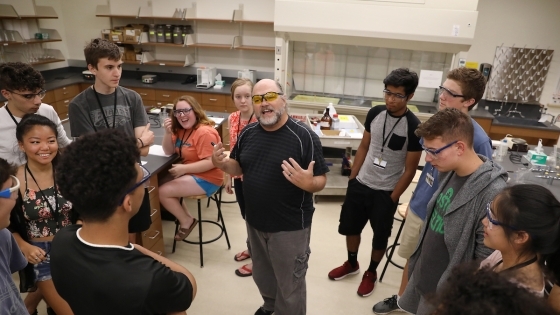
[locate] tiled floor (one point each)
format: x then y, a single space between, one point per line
220 291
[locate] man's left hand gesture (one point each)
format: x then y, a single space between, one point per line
297 175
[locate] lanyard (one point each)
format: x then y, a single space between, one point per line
13 118
53 211
239 123
101 108
385 123
518 266
183 141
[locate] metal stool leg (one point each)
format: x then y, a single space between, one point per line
220 216
174 240
391 252
200 233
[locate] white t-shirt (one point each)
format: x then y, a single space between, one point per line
8 143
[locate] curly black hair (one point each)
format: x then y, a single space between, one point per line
402 77
6 169
19 76
473 291
96 171
100 48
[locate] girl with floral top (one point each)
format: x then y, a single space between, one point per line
42 211
241 96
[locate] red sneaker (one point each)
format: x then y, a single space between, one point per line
343 271
368 284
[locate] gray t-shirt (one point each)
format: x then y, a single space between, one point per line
435 256
11 260
86 117
399 138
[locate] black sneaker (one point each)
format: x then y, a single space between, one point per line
262 311
386 306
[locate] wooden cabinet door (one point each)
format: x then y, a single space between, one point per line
67 92
145 93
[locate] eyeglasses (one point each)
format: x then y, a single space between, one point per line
434 153
448 92
7 193
492 221
268 96
146 175
389 94
184 111
30 96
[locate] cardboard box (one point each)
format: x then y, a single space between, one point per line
106 34
116 36
132 32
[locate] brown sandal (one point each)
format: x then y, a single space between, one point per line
184 233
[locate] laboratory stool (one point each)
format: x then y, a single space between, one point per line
401 209
217 197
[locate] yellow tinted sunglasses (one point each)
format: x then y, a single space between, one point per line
268 96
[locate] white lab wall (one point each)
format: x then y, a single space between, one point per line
519 22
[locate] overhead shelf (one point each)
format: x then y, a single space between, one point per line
45 61
42 12
169 63
30 41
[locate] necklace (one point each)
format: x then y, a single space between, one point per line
53 211
518 266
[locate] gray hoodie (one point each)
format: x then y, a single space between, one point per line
464 232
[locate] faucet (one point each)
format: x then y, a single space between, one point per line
514 111
555 119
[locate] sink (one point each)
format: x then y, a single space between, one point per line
519 121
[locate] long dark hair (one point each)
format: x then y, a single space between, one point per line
31 120
535 210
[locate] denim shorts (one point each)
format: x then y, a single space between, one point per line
208 187
43 269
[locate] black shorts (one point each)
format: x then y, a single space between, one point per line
362 204
142 220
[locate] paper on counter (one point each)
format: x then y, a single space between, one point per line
375 103
217 120
413 108
157 150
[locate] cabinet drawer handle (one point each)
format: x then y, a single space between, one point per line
213 99
166 95
67 101
150 189
159 252
65 93
64 88
152 237
145 94
152 214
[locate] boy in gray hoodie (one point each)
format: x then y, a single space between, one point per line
453 231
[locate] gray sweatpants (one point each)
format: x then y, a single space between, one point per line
280 262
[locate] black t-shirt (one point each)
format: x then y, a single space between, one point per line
105 280
272 203
435 255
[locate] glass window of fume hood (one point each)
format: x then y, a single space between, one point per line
353 75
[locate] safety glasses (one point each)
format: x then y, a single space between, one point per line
7 193
447 92
145 177
434 153
30 96
268 96
184 111
492 221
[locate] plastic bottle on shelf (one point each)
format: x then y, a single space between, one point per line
335 122
168 34
326 121
160 34
178 34
152 36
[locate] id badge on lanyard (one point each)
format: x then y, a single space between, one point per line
430 178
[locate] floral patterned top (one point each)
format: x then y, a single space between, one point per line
39 219
235 127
